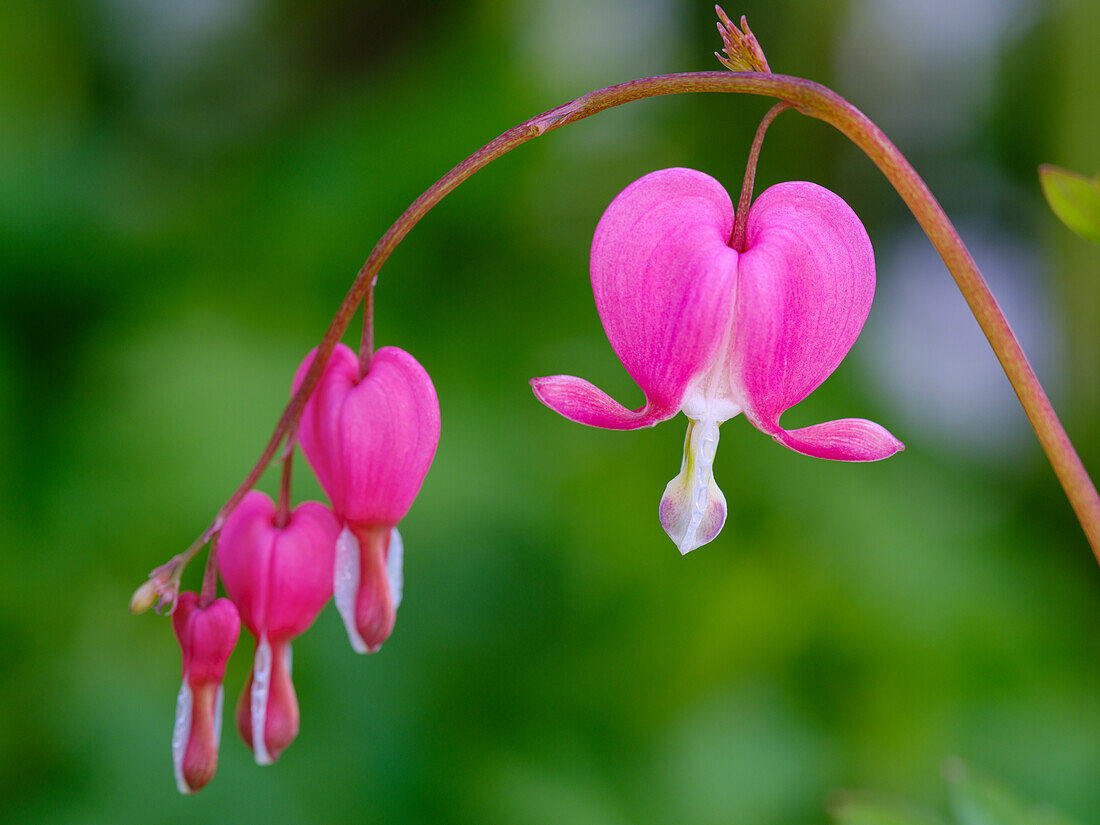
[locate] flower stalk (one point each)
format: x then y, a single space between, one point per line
737 241
366 340
811 99
282 508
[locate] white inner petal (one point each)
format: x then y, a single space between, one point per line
261 689
693 508
345 585
703 443
707 400
395 567
181 734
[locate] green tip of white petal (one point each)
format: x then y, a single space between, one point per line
693 509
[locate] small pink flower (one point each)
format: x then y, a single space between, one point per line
280 578
206 636
370 441
712 332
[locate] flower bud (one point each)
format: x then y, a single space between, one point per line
206 636
145 597
280 579
370 440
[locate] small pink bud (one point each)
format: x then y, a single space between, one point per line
206 636
280 579
370 441
145 597
160 591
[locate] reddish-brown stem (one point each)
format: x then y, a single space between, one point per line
282 509
810 99
287 425
366 342
737 239
210 576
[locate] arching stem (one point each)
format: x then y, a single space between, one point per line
210 576
810 99
282 508
366 341
737 240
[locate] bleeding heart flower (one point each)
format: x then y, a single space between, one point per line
206 636
370 440
715 332
280 578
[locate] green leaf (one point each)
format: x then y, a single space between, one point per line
1045 815
858 808
1074 198
977 800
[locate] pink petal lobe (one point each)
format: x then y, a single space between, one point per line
849 439
206 636
301 577
580 401
806 280
244 557
663 276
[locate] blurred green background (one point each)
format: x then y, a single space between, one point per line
188 188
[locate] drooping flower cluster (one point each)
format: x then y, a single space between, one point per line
370 439
714 332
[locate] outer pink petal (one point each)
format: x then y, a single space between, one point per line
849 439
806 281
583 402
663 276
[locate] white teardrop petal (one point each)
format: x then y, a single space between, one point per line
693 508
395 567
181 734
345 585
261 688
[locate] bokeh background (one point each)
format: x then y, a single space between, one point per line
188 188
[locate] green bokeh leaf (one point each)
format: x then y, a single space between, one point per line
1044 815
976 800
1074 198
857 808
